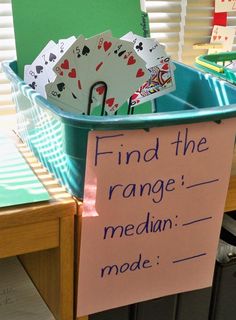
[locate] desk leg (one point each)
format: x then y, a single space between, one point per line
67 268
52 272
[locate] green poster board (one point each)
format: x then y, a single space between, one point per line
37 22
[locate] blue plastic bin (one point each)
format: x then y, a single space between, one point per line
59 139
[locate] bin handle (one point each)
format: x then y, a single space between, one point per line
103 112
104 96
213 66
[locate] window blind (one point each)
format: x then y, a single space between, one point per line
7 52
232 23
165 23
197 29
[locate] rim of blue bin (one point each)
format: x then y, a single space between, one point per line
118 122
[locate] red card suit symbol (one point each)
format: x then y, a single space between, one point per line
107 45
79 85
100 90
165 67
226 38
214 38
65 64
219 37
134 96
72 73
100 43
61 73
131 60
99 66
110 102
139 73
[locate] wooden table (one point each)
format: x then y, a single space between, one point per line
42 236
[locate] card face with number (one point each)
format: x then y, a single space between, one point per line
161 82
35 75
123 72
100 47
62 95
51 56
89 60
225 5
223 35
148 49
66 66
100 73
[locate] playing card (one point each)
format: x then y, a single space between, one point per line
161 69
223 35
148 49
66 66
123 71
161 82
76 64
51 56
90 58
94 49
225 5
60 94
35 75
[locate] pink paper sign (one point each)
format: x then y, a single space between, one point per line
153 207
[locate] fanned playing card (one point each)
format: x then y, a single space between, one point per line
40 72
35 75
51 56
77 65
161 69
100 59
101 73
123 71
66 66
60 94
97 50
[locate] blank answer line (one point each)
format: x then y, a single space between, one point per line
189 258
202 183
195 221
